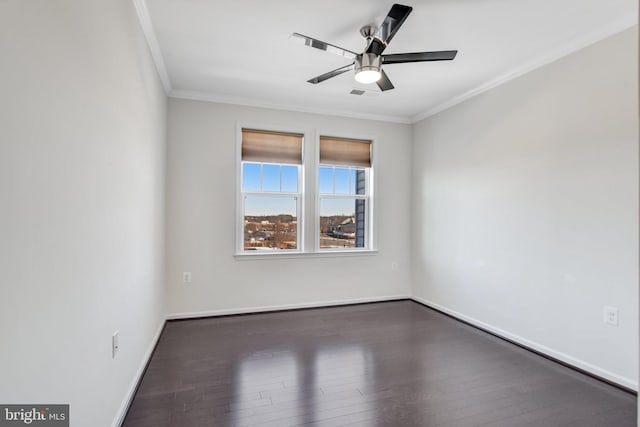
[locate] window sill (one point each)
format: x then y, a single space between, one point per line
298 255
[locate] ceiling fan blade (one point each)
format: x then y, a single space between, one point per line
330 74
392 23
384 83
400 58
318 44
390 26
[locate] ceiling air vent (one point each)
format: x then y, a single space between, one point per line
364 92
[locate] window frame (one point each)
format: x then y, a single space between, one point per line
274 194
241 194
370 228
309 197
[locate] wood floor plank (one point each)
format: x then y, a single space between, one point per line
383 364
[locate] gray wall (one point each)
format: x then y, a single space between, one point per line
201 198
526 208
82 154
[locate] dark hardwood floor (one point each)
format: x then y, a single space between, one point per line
385 364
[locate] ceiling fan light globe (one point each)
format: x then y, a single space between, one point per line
368 76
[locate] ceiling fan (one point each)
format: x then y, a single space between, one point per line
368 64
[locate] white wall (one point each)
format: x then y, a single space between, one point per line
82 154
526 208
201 197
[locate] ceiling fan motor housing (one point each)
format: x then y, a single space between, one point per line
368 62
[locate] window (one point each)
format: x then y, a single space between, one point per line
344 194
271 190
272 195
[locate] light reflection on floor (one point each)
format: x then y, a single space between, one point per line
300 383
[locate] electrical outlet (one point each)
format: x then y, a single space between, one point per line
114 344
186 277
394 265
610 315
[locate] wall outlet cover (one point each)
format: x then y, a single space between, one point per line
610 315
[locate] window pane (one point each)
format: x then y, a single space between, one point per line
342 223
250 177
270 223
342 181
290 178
352 181
326 180
271 178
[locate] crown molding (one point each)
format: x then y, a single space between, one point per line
233 100
561 51
152 42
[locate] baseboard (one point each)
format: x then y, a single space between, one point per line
299 306
133 388
570 361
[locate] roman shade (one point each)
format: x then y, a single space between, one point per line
345 151
271 147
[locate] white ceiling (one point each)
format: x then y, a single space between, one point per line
240 52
